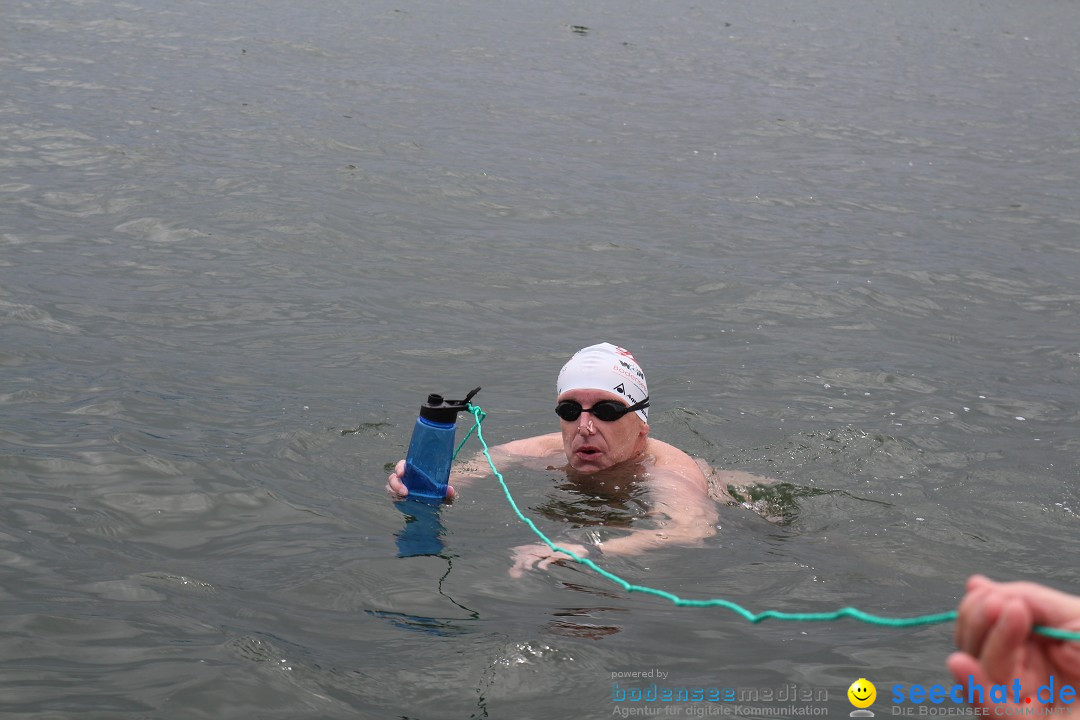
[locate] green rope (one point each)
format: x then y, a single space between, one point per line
479 415
718 602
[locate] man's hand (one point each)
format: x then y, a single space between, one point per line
538 557
397 489
997 646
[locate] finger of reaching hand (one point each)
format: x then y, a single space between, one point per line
979 611
1006 642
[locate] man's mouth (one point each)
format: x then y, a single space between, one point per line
587 451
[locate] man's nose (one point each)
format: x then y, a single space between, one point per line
585 423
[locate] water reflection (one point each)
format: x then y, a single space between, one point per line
423 531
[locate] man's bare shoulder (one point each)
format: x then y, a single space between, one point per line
666 453
668 457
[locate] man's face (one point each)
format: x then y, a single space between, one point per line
592 444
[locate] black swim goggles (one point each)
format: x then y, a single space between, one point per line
605 410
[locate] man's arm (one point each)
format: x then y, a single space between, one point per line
678 493
684 514
680 504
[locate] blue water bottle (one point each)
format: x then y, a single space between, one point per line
431 450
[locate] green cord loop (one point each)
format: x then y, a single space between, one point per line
479 415
851 612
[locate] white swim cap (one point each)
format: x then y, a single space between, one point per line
605 367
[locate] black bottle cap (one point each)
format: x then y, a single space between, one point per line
445 411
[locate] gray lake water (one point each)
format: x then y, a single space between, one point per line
241 242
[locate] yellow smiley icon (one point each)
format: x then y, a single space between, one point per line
862 693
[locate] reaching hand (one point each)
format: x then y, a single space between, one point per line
997 646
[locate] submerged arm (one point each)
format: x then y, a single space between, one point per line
684 514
